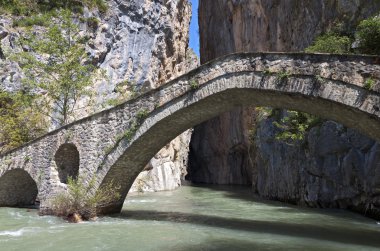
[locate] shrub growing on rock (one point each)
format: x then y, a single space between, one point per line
368 33
331 43
81 201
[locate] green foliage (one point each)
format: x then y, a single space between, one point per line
114 102
28 21
283 75
27 158
93 22
31 7
295 125
19 123
141 115
82 199
267 72
320 79
126 91
58 64
194 84
331 43
130 132
368 32
18 7
369 83
263 113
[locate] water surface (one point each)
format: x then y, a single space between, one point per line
194 218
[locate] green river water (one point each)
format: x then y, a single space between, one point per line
194 218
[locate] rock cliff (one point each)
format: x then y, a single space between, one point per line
338 167
141 43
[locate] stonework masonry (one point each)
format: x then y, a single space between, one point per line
140 44
115 145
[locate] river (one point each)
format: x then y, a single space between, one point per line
194 218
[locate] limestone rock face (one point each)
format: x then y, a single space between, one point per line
228 26
142 43
220 150
333 172
167 170
333 167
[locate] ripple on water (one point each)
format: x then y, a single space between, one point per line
20 232
141 201
193 218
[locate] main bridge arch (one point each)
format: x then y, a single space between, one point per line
338 91
115 145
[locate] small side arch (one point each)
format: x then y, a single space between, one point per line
67 161
17 189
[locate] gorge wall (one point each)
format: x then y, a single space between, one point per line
335 166
140 45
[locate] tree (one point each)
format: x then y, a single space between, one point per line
18 122
57 66
368 33
295 124
331 43
81 201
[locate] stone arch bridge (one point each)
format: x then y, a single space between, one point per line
116 144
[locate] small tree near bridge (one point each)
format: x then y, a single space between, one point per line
81 201
57 67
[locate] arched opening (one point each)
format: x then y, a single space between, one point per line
17 189
67 161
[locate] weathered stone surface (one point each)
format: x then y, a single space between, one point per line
333 167
235 80
142 43
211 161
228 26
3 32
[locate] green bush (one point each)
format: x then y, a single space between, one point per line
82 200
369 83
30 7
368 32
331 43
19 122
141 115
194 84
93 22
41 20
295 125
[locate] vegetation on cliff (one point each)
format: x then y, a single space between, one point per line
57 72
19 122
368 33
364 40
32 7
56 63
